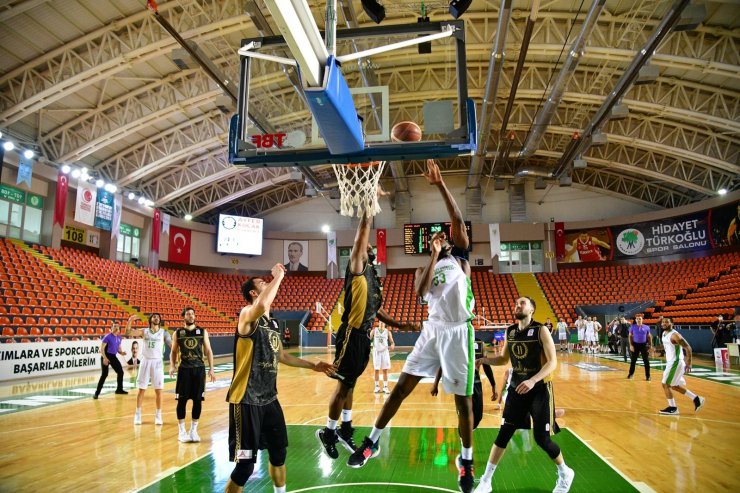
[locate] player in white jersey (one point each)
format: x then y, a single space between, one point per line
581 331
446 340
677 362
592 338
562 329
152 367
381 355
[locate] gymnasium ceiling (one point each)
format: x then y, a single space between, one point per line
93 83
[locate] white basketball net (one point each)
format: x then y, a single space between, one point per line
358 188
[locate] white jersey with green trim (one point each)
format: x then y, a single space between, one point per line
154 343
450 296
671 349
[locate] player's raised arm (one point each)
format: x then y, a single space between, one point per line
358 258
458 232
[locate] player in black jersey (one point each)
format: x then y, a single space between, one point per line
189 344
530 348
363 297
256 419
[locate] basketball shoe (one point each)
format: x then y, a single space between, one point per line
345 437
466 478
564 481
698 403
363 453
328 439
670 410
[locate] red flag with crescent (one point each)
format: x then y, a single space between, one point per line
380 236
179 245
559 240
60 205
156 230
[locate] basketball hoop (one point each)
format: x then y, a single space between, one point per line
358 187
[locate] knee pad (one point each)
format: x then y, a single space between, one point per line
242 471
504 435
546 444
277 456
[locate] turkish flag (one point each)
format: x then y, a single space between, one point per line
60 205
380 243
156 230
179 245
559 240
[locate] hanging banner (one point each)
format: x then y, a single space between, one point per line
559 241
179 251
587 245
166 224
60 204
380 237
724 225
25 170
156 230
117 212
85 205
494 234
104 210
663 237
331 247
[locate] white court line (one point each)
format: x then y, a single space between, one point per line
634 484
415 487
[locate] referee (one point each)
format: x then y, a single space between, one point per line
640 340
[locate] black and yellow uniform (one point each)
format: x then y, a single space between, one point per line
363 297
478 385
527 358
256 419
191 373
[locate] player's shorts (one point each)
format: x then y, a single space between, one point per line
449 346
581 334
191 383
562 336
253 428
382 360
591 336
534 409
150 369
352 354
673 373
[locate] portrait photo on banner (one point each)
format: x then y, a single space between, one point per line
296 255
587 245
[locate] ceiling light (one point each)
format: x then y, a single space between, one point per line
99 183
66 169
131 195
8 145
28 154
76 173
188 217
325 228
111 188
142 200
722 191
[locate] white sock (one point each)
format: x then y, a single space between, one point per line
377 384
159 413
279 489
331 423
347 415
138 411
690 395
375 434
181 426
193 426
385 385
672 402
466 453
488 475
562 468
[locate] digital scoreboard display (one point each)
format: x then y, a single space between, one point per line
416 236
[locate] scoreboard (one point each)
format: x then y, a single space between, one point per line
416 236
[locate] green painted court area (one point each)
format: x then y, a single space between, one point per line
411 460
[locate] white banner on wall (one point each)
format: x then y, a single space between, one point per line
85 205
495 237
36 359
331 247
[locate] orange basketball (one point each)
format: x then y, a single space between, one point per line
406 132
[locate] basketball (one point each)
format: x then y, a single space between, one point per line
406 132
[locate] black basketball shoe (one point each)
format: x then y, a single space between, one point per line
345 437
328 440
363 453
466 478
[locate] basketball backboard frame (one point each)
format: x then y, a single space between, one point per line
461 141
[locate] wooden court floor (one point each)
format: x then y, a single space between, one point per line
55 437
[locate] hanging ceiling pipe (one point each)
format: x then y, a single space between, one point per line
578 147
543 118
528 28
489 96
